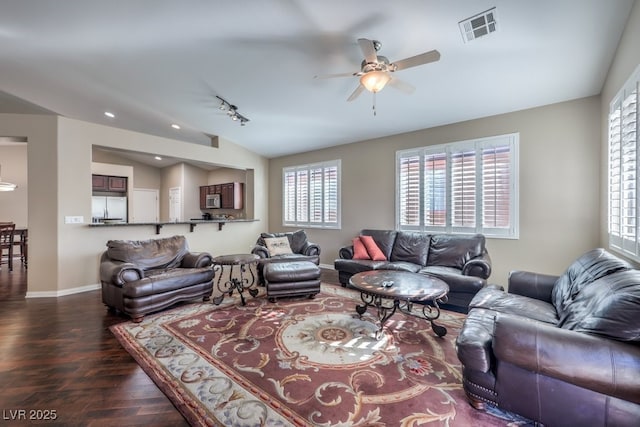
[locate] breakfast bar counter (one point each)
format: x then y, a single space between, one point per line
158 225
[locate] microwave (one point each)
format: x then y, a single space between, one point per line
212 201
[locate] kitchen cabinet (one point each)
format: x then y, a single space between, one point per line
116 184
231 194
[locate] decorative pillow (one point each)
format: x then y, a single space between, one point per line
277 246
372 248
359 251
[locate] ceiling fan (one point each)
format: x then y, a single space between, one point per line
375 71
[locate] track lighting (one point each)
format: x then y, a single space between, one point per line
232 111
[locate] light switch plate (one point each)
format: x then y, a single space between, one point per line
73 219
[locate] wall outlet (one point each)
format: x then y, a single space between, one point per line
74 220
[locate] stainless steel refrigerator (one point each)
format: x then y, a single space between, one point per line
108 208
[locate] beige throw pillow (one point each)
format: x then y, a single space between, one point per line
278 246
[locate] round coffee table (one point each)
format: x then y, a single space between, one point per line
390 290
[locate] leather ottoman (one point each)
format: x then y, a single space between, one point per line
290 279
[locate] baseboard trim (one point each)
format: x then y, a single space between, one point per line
64 292
327 266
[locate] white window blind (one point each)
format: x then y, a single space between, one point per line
461 187
311 195
623 215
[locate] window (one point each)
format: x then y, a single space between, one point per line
461 187
623 177
311 195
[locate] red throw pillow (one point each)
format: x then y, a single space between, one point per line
372 248
359 251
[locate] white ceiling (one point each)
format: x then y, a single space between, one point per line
158 62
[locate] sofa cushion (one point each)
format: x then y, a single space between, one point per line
455 279
359 251
297 239
454 251
149 254
383 238
411 247
372 249
278 245
353 266
609 307
497 300
400 266
162 280
583 271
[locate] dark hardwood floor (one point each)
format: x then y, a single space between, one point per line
57 356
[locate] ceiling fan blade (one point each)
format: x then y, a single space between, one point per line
368 49
356 93
331 76
402 86
423 58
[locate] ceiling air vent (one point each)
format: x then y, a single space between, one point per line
478 25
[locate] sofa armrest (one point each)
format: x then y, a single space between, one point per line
346 252
532 285
310 249
197 260
118 272
261 251
596 363
479 266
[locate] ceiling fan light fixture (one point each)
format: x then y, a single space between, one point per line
375 81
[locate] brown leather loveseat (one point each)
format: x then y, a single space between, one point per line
461 261
561 351
144 276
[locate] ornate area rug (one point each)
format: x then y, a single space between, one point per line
303 362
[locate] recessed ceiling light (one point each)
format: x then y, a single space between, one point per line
175 126
109 114
158 158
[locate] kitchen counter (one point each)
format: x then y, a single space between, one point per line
192 223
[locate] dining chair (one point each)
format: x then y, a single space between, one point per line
6 242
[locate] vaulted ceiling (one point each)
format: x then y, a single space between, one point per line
156 63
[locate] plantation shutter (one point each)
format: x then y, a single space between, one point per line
435 187
331 195
302 196
289 195
623 163
496 187
311 195
316 196
409 190
463 189
615 174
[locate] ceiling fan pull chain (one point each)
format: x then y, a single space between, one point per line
374 104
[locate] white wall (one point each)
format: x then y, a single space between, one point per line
559 184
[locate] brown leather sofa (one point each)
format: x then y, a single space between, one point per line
144 276
301 250
560 351
461 261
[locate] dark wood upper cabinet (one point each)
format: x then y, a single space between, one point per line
231 195
106 183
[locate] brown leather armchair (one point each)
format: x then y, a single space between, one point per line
144 276
562 351
301 250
